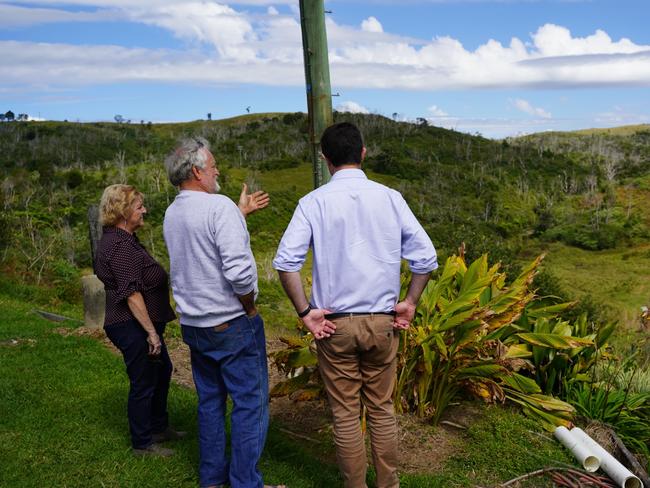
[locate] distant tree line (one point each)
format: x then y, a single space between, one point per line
9 116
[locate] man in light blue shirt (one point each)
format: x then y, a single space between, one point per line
359 232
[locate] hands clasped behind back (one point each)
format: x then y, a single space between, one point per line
318 325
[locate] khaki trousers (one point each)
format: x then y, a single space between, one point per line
357 364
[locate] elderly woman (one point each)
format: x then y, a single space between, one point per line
137 310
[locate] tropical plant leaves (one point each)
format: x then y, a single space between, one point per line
518 351
553 341
521 383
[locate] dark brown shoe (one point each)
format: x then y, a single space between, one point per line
168 434
154 450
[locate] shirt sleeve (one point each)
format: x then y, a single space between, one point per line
417 247
126 264
233 246
295 243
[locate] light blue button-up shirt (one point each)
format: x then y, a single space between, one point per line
359 231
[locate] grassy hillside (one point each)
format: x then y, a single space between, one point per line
625 130
503 197
618 280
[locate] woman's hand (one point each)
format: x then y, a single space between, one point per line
139 310
154 344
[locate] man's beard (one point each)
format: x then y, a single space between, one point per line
217 187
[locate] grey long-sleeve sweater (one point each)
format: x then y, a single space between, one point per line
211 261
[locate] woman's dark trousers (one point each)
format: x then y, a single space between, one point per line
149 378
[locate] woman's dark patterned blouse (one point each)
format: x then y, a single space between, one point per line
125 267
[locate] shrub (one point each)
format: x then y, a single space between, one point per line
5 230
292 118
73 178
398 163
66 281
280 163
585 236
465 338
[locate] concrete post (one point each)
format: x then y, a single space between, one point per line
94 301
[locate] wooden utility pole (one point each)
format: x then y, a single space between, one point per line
317 77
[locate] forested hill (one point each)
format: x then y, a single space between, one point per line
586 190
622 151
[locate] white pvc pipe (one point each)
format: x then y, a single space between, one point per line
581 452
619 473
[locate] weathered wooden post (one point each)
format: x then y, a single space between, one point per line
93 288
94 230
317 78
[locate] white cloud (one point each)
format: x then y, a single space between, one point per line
526 107
145 3
229 31
620 116
436 111
227 44
66 65
352 107
15 16
371 24
555 40
444 63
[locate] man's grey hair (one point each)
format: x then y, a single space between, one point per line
188 153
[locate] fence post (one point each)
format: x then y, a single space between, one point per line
93 289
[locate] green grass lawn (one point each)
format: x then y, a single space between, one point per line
63 423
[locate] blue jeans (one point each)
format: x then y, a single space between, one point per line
147 406
230 360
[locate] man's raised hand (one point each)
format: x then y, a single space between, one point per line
249 203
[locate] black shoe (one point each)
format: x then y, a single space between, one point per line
154 450
168 434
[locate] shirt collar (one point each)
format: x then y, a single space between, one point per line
349 173
120 234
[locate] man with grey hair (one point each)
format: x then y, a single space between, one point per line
214 282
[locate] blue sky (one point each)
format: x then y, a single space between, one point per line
497 67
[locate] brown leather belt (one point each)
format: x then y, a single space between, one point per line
221 328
